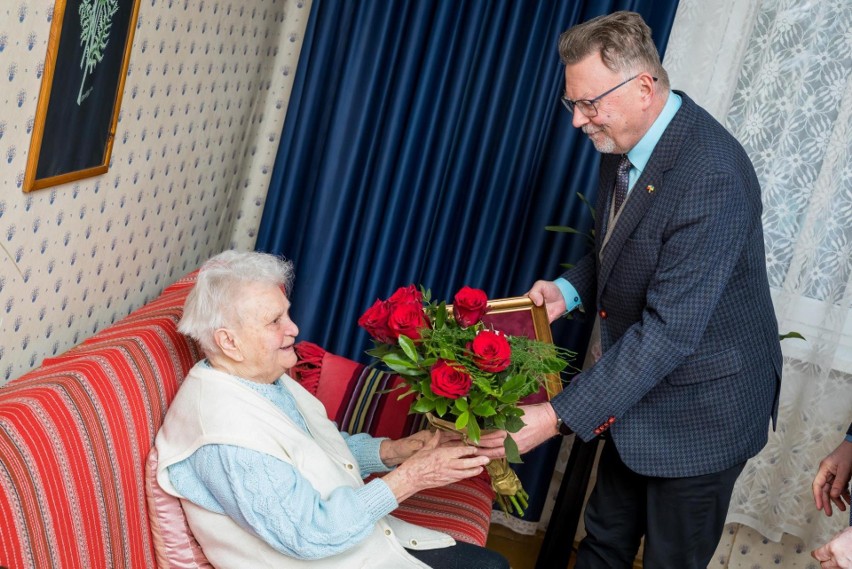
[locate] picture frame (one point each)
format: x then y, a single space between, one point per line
88 53
518 316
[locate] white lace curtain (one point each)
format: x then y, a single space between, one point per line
778 75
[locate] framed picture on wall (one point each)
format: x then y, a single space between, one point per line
84 72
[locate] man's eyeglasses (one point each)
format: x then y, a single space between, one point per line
589 107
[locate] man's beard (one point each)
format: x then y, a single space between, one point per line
605 145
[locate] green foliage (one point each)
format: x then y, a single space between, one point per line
95 25
589 235
492 402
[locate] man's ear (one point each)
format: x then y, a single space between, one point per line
648 88
228 344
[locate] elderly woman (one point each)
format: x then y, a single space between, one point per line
265 479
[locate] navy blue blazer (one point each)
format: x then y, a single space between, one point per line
691 365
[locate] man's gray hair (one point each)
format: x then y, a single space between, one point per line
220 282
623 40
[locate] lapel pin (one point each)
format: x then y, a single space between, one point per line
650 189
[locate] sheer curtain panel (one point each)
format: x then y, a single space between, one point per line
778 73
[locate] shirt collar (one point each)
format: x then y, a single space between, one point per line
641 153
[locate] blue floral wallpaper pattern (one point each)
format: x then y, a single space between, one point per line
204 103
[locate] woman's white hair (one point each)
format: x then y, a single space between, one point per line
221 280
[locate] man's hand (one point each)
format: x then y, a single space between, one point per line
831 483
539 425
837 553
547 291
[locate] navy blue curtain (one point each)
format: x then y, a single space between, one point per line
424 143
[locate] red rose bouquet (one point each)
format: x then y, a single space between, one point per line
464 375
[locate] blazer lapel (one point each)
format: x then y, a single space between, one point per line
647 187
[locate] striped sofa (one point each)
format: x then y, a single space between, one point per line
75 433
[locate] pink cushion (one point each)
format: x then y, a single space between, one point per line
174 545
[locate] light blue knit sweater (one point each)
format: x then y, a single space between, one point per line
270 499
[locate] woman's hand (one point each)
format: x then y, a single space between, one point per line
393 452
831 483
435 464
837 553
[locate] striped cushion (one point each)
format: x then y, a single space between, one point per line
461 509
357 398
74 435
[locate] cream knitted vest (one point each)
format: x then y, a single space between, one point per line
211 407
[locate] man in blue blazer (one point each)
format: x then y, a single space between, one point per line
689 363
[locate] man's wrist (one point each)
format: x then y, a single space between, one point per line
569 294
561 428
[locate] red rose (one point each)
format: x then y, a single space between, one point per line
449 380
406 295
407 319
469 305
375 322
491 351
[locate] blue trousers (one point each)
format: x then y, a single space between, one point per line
461 556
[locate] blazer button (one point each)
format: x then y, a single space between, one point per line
602 314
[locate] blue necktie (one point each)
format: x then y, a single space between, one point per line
622 180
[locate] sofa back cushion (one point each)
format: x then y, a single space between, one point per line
74 436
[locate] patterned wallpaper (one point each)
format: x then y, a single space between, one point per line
203 107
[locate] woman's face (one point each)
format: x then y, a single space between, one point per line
265 334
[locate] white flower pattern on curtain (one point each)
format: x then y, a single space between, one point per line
783 89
